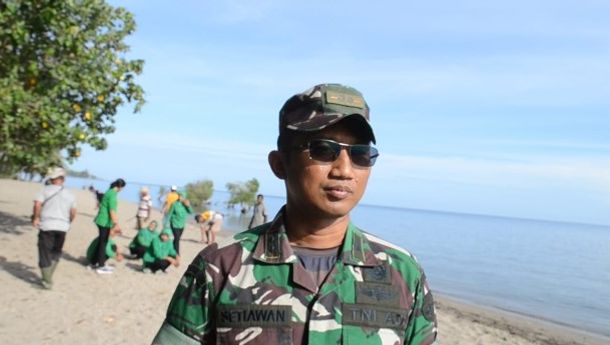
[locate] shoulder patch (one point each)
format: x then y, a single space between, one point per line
375 239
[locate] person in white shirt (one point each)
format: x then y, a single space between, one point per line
144 208
54 210
259 214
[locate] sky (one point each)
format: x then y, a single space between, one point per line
484 107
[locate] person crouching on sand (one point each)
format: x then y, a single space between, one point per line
111 250
161 253
143 239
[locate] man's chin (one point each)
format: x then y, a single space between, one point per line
337 211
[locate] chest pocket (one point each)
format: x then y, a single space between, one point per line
253 324
377 316
373 324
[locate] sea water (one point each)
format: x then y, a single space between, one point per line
556 271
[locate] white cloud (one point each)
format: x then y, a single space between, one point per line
198 145
533 79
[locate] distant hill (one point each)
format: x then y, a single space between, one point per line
82 174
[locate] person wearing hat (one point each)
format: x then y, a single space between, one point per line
161 253
177 215
310 276
54 211
144 208
171 197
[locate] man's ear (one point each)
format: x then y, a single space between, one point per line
277 164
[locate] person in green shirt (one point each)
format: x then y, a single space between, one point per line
107 221
143 239
111 249
177 216
161 253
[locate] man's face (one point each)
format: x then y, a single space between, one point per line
57 181
325 189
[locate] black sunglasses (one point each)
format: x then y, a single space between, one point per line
325 150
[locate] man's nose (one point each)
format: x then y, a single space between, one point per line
342 166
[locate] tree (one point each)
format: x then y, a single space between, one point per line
63 75
199 192
243 193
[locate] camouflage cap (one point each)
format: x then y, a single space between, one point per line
322 106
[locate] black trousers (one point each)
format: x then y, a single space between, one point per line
50 245
138 251
177 234
102 242
160 264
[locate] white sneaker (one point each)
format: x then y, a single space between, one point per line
147 270
105 270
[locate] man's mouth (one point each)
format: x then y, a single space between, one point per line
338 192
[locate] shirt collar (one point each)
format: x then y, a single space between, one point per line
273 246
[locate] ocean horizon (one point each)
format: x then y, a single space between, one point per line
551 270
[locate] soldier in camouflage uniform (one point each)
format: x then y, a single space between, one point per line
310 276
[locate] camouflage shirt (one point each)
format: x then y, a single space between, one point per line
252 289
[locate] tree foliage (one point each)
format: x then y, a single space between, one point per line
199 192
243 193
63 75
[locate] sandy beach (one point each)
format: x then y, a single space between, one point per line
128 306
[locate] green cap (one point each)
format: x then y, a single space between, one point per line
322 106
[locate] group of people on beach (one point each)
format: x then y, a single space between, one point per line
157 250
55 208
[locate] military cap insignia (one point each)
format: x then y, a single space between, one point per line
345 99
